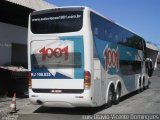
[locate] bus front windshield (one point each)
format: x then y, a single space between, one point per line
56 22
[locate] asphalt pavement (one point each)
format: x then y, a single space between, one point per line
146 103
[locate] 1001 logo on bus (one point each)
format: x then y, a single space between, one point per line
111 58
56 52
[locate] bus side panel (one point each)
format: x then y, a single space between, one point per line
119 52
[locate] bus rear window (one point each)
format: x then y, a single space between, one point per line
56 22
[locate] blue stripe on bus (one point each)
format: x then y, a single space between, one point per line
78 47
125 53
129 82
45 74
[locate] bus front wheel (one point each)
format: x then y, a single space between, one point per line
148 85
139 86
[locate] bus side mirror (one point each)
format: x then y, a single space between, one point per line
149 63
149 66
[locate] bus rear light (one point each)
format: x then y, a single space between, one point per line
29 80
87 79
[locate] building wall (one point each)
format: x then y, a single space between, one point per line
10 34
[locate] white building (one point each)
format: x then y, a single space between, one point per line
13 29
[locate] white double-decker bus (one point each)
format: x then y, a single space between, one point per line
79 58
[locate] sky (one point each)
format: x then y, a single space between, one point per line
140 16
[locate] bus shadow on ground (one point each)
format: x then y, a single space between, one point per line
70 111
80 110
128 96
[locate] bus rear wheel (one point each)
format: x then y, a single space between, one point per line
143 87
110 97
139 87
117 96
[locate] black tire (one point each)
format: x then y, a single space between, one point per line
139 89
110 97
148 85
117 95
143 85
